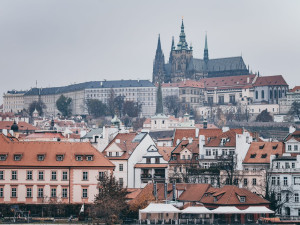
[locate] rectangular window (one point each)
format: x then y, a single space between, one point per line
121 181
64 175
14 175
85 175
296 197
278 180
1 192
254 181
53 192
41 175
40 192
101 175
89 158
29 192
53 175
293 165
120 167
287 197
245 181
1 175
17 157
157 160
29 175
273 180
289 147
13 192
84 193
79 157
109 153
243 199
40 157
3 157
285 181
148 160
59 157
65 192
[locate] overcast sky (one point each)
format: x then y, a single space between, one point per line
68 41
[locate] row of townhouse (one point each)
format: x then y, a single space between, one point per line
44 172
140 91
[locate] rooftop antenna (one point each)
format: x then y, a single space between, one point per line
36 83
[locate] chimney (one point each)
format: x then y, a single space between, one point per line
177 142
292 129
197 132
225 129
248 80
205 124
190 140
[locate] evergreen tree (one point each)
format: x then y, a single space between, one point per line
159 101
63 104
38 105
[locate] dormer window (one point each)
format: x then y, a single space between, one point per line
41 157
59 157
79 157
263 156
261 146
242 199
3 157
17 157
89 158
109 153
117 153
252 156
274 147
215 199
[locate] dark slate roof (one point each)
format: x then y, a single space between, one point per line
96 131
16 92
89 85
161 134
221 64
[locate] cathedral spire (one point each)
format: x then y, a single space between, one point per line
205 57
182 44
158 44
172 48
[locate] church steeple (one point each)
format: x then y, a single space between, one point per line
205 57
172 48
182 44
159 64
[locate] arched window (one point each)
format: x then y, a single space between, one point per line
275 94
271 94
256 94
279 93
262 94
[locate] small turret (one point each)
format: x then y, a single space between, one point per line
14 127
205 57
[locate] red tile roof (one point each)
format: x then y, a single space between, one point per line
295 89
124 142
228 136
30 150
165 152
235 82
152 165
260 152
191 83
229 195
23 126
295 135
184 134
44 135
276 80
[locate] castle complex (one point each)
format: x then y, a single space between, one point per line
182 65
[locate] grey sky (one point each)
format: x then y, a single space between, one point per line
63 42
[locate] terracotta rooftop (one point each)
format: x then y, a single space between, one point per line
295 135
228 82
29 152
23 126
260 152
230 195
295 89
44 135
165 152
226 139
276 80
126 142
184 134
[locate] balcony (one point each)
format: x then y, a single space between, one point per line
146 176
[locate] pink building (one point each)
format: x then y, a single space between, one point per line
49 172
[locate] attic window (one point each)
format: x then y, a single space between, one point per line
263 156
17 157
242 199
215 199
59 157
261 146
274 147
41 157
252 156
3 157
89 158
79 157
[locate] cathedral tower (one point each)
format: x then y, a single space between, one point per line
159 64
180 58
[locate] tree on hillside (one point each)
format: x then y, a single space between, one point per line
159 101
38 105
171 102
111 102
110 203
132 109
118 104
63 104
295 109
221 119
264 116
96 108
